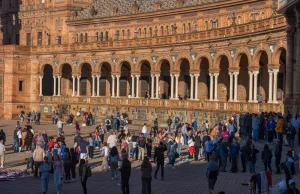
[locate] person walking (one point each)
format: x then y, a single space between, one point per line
159 159
74 162
279 128
141 142
278 151
291 188
91 146
83 173
125 174
59 126
113 163
198 146
245 151
105 153
146 169
234 150
67 165
223 155
255 127
270 125
145 130
169 123
2 154
38 156
290 133
266 157
212 173
252 158
45 169
58 168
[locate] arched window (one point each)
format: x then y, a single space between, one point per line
81 37
101 36
167 30
189 27
206 25
123 34
162 31
145 32
140 32
76 38
96 37
150 32
106 36
128 34
86 37
183 29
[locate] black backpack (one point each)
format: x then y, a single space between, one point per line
142 142
29 135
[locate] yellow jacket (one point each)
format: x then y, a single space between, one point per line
279 126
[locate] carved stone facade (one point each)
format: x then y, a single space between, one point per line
187 57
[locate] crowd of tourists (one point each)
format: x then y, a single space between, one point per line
227 141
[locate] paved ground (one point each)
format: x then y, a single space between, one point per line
188 177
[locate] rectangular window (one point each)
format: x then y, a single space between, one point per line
58 40
49 39
28 39
40 38
21 82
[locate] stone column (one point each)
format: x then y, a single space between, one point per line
118 86
216 86
250 86
176 86
196 86
157 81
93 86
132 86
59 79
236 74
296 67
192 87
211 89
54 86
231 86
152 86
172 86
270 85
78 85
275 86
255 85
41 85
289 57
98 85
73 88
113 86
137 85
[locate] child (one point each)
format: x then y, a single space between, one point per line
29 166
51 143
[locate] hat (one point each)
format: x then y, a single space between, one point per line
291 181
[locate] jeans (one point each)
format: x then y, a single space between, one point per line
223 164
67 168
169 128
125 185
36 168
244 162
277 163
267 164
141 153
59 131
160 164
113 169
135 152
179 146
185 138
96 143
73 170
255 134
83 183
251 167
279 136
57 180
45 182
146 185
270 136
91 151
172 160
129 150
234 164
16 145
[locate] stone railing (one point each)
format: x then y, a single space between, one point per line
164 103
261 26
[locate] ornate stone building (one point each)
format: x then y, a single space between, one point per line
104 55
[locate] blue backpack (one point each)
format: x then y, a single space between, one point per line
234 150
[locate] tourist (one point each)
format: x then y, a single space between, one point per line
184 134
205 138
270 125
22 116
38 156
124 145
245 152
172 154
53 117
195 124
179 141
2 154
83 149
83 173
278 151
146 169
29 141
45 169
113 162
112 140
24 136
105 153
91 146
225 133
141 142
108 124
59 127
97 138
145 130
159 158
125 170
126 129
102 132
198 146
58 166
234 150
290 133
74 162
252 158
212 173
169 123
135 147
279 128
208 148
67 165
295 122
292 188
128 140
16 140
248 124
40 139
77 139
255 127
223 155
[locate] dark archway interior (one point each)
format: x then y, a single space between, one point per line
165 80
66 80
263 77
125 79
184 84
48 82
86 80
243 79
281 75
204 80
145 78
223 80
105 80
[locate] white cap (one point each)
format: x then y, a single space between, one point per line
291 181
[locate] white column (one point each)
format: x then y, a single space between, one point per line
98 85
176 86
236 74
152 86
211 89
73 88
172 86
137 85
113 86
58 92
54 86
93 86
41 85
196 86
270 85
78 85
157 81
250 86
132 86
192 87
275 85
231 86
118 86
255 85
216 86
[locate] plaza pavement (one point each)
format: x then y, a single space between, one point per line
188 177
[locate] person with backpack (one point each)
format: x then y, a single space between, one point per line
125 170
234 150
108 124
244 155
113 162
212 173
266 157
45 169
141 144
58 168
84 173
159 158
252 158
67 164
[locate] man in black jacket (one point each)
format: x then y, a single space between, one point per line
159 157
278 151
125 174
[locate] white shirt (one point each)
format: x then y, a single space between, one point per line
59 124
231 128
144 129
19 134
105 151
112 141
